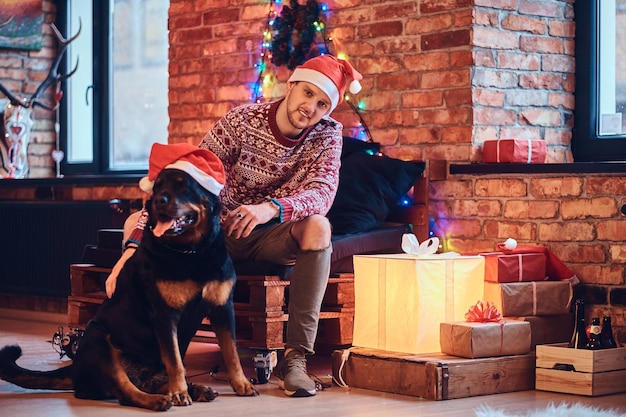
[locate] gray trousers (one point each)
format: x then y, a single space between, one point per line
273 243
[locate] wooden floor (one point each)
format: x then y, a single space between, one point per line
33 331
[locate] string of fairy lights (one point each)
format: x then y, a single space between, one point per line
293 33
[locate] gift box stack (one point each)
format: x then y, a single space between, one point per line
527 293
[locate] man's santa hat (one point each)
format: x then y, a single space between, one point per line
329 74
203 165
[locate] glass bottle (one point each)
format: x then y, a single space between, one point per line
594 335
579 336
606 337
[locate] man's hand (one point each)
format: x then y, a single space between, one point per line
111 281
241 221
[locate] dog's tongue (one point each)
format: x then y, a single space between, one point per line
161 227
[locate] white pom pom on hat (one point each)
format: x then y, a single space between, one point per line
331 75
203 165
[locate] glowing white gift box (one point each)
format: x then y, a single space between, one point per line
401 299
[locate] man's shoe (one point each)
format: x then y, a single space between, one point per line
293 377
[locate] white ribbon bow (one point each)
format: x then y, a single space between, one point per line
411 245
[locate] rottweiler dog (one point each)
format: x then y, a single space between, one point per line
134 347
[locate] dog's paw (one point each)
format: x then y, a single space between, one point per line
201 393
244 387
161 403
181 399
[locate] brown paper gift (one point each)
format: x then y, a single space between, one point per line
501 267
546 330
537 298
482 340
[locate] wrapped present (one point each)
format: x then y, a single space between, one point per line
400 299
534 298
482 340
502 267
525 151
546 330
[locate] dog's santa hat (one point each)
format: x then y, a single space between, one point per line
203 165
329 74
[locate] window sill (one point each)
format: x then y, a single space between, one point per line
567 168
72 181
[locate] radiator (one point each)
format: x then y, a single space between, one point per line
39 241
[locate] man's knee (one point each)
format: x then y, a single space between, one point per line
313 233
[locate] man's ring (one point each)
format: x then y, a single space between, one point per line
239 216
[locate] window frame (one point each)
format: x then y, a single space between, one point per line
587 145
101 94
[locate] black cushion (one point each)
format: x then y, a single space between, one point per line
369 186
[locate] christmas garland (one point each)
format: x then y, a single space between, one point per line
294 35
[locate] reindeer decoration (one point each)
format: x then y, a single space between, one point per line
18 117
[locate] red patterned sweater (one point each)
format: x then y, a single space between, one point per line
261 163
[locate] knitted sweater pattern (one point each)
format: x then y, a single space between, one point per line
301 174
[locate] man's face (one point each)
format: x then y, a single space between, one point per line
306 104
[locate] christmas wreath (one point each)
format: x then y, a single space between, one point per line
294 35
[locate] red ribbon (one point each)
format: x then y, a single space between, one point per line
484 313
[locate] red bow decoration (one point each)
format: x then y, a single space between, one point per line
483 313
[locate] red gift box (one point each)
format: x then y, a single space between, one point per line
526 151
501 267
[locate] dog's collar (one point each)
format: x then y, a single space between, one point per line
183 251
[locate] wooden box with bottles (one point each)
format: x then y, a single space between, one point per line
580 371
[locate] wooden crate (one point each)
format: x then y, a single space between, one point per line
434 376
580 371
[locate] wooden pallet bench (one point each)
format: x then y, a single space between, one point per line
260 308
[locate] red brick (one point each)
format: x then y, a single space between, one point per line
427 61
530 209
415 136
540 117
606 185
500 188
436 6
581 253
400 10
487 18
477 208
375 30
494 116
520 23
441 79
445 40
556 187
582 208
541 8
494 38
612 230
456 134
450 228
541 44
558 63
424 98
428 24
520 133
403 44
445 116
495 79
501 230
518 61
562 29
599 274
566 232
